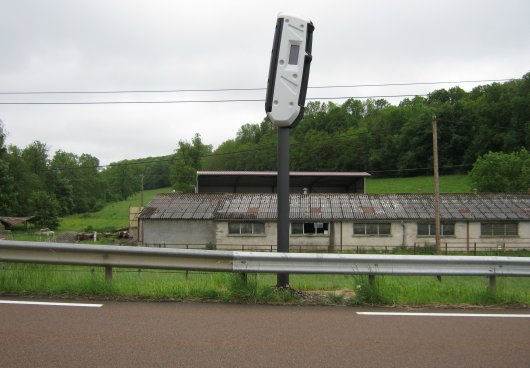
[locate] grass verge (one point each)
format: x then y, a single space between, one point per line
69 281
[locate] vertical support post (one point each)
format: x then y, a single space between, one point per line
108 273
341 237
492 283
142 190
467 237
283 200
371 281
436 184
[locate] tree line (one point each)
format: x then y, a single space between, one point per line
376 136
383 139
34 184
475 128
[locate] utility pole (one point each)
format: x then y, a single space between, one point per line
436 184
142 190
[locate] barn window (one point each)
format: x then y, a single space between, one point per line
499 229
429 229
309 228
246 228
371 228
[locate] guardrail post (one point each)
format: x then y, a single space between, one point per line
371 281
492 283
108 273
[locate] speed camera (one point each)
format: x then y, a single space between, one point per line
289 70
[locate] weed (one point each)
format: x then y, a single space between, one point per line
369 294
336 298
242 287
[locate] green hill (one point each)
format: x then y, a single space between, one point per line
419 184
112 216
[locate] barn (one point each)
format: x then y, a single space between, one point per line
335 221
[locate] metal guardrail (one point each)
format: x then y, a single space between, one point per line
115 256
260 262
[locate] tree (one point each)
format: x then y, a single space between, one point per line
188 160
36 160
7 182
45 208
502 172
63 168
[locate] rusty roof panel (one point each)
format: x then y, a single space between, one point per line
344 206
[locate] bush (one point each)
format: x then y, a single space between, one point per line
45 208
502 172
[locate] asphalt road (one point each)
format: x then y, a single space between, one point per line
121 334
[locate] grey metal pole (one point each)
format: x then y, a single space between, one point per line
283 200
437 224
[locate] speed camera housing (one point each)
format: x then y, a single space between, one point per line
289 70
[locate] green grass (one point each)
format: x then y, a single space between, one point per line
69 281
112 216
419 184
451 291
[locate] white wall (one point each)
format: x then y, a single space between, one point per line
177 233
340 237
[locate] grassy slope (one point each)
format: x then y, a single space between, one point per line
113 216
419 184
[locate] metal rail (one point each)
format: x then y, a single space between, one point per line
260 262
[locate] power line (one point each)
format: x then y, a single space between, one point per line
252 89
200 101
414 83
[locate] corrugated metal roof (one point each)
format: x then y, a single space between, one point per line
344 206
12 221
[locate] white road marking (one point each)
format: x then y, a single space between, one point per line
414 314
51 304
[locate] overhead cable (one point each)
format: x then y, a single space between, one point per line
251 89
197 101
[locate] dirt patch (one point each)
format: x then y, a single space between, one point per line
340 296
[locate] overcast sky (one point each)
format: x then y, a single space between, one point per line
112 45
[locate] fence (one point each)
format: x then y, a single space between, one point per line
471 248
262 262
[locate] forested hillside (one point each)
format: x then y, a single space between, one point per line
371 135
392 140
